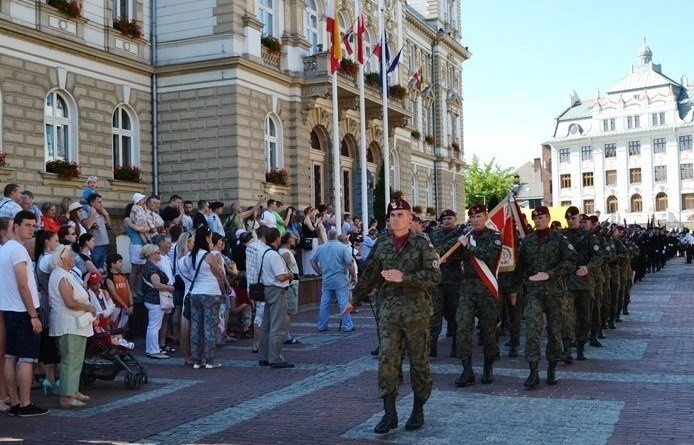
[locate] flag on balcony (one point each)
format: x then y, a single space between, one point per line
360 30
417 79
333 28
395 62
348 39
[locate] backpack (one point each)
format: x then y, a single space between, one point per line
230 230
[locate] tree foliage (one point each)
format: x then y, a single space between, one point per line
487 183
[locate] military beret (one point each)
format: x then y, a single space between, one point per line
555 224
584 217
416 219
476 208
619 227
398 204
448 212
540 210
593 219
571 211
216 205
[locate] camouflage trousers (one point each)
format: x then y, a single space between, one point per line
578 320
536 303
475 300
624 281
605 303
595 314
568 313
615 284
628 283
413 334
513 313
444 301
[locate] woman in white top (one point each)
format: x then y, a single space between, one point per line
205 299
71 321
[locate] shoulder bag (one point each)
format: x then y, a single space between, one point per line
257 289
186 298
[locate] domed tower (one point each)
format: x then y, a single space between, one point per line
645 55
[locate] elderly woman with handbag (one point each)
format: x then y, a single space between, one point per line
71 319
158 297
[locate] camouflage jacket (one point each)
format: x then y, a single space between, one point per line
442 241
419 263
553 255
587 249
487 248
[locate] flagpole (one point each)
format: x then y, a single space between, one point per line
384 99
362 122
337 190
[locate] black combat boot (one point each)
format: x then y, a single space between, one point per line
433 348
488 374
533 379
601 334
625 311
551 376
416 420
467 378
454 352
580 350
611 323
513 351
567 357
594 342
389 420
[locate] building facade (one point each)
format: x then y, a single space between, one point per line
206 97
628 154
532 180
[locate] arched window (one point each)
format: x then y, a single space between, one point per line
60 128
370 153
344 148
636 203
415 189
315 141
273 143
312 22
266 15
123 10
661 202
125 144
612 206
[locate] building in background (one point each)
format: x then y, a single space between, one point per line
532 178
206 97
628 154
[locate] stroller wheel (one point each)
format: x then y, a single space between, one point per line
145 378
137 380
127 381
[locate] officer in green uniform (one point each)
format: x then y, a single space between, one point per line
546 256
445 296
598 278
616 278
481 249
581 283
624 268
403 266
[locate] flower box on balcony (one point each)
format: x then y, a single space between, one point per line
398 92
130 28
127 173
71 8
372 79
429 139
272 44
349 67
64 169
278 176
416 135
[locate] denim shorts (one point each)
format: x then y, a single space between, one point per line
21 341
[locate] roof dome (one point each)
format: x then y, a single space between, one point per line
645 54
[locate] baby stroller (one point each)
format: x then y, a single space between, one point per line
104 360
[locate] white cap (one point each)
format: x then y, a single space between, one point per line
137 197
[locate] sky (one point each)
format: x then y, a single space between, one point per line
527 57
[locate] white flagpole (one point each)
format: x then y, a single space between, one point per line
362 128
384 99
337 193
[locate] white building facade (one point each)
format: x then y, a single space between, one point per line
629 154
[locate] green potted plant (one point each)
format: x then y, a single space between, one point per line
416 135
372 79
128 173
429 139
3 160
130 28
431 211
272 44
348 66
417 210
63 168
71 8
398 92
456 146
279 176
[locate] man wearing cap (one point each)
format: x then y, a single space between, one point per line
445 296
403 266
479 294
214 219
580 283
545 258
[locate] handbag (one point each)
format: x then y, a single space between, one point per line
306 243
186 299
166 300
257 289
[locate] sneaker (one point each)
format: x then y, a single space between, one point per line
31 410
197 366
158 355
14 410
213 365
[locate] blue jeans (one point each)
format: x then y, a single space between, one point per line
326 299
99 256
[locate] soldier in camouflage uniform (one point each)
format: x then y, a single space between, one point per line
581 283
599 281
445 296
403 266
545 257
481 250
617 277
631 274
514 312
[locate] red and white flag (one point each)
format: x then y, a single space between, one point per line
333 28
505 218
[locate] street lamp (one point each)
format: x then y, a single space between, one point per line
484 198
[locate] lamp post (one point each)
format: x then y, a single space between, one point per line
484 198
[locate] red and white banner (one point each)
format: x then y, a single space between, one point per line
505 218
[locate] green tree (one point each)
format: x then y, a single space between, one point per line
487 183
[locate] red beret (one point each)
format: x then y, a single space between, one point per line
540 210
448 212
398 204
476 208
571 211
94 278
594 219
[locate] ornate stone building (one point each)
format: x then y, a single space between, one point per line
229 103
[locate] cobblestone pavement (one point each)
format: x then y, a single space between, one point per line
635 390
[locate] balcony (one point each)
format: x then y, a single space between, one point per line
317 83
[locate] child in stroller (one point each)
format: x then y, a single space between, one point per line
107 314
